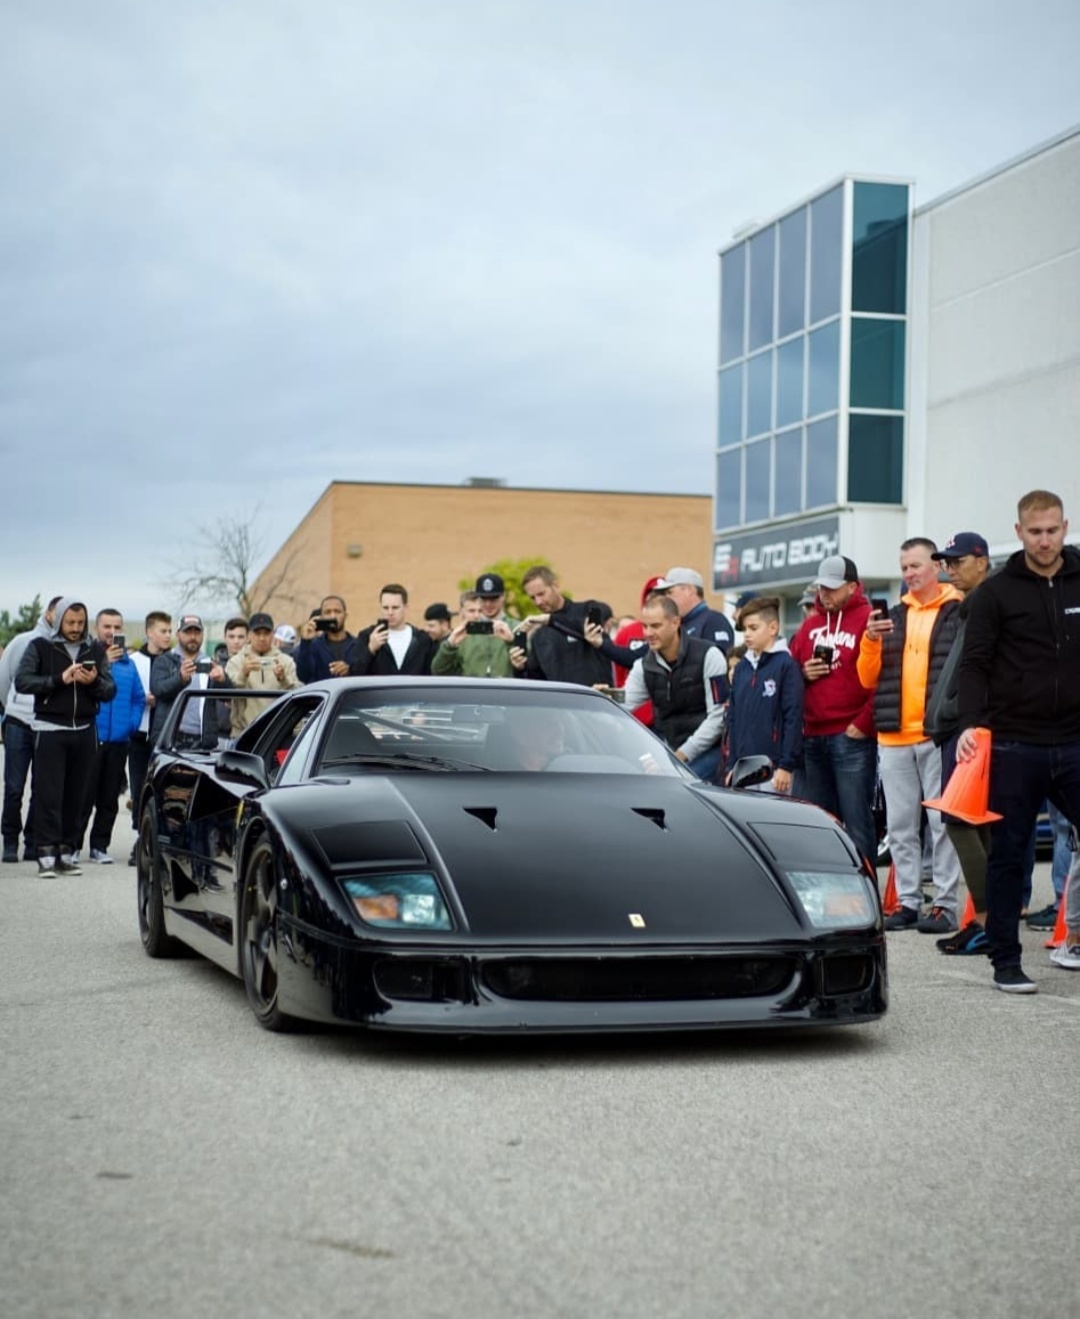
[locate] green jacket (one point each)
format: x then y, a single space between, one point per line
475 657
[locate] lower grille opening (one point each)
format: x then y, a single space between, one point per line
659 979
421 979
846 973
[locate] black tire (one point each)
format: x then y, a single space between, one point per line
259 937
149 895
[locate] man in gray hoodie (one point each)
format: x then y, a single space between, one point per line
68 676
18 719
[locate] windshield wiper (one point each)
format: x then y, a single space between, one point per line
403 759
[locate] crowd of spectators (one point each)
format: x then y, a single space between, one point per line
867 699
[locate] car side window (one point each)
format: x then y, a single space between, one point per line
276 741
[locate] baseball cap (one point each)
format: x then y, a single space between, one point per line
286 633
808 597
188 622
260 623
680 577
834 571
437 611
964 542
489 585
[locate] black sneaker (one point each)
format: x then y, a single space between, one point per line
1012 980
46 866
65 866
970 941
11 852
1043 920
903 919
131 857
937 921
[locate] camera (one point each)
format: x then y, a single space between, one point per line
594 614
203 665
324 625
120 640
824 653
480 627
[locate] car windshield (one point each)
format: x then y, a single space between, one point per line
508 731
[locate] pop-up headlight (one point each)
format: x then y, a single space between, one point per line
402 901
834 901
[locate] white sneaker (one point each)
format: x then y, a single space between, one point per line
1067 957
100 858
71 858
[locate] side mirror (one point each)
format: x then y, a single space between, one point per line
749 770
242 768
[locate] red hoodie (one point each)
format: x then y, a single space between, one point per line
831 703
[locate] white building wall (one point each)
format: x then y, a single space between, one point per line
995 366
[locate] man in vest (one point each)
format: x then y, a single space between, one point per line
686 680
901 657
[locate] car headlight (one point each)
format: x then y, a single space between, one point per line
833 901
402 901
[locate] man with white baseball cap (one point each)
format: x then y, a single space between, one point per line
687 588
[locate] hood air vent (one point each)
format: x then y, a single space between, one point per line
485 814
654 814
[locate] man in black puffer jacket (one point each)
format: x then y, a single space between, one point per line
1020 677
68 676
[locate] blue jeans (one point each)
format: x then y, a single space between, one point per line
18 757
839 773
1059 869
1021 775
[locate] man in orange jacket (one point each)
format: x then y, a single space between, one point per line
901 657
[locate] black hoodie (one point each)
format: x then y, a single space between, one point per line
1020 673
67 705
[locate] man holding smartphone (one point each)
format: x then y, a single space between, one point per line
117 722
260 667
203 723
68 676
839 767
392 647
326 649
480 647
558 649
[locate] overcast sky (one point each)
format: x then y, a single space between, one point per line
250 248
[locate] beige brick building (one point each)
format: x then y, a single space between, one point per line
361 535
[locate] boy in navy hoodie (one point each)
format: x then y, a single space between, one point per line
765 714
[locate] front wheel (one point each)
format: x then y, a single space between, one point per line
259 937
151 899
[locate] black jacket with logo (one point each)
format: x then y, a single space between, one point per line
558 651
1020 672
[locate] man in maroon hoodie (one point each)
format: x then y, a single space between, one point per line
839 742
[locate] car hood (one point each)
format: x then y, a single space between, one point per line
576 857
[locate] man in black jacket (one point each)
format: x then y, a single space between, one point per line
558 648
392 647
1019 678
68 676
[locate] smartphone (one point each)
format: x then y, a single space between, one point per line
324 625
880 604
480 627
88 664
381 626
204 665
120 640
594 614
520 639
824 653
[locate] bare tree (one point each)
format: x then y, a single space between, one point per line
225 569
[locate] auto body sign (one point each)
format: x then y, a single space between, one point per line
790 553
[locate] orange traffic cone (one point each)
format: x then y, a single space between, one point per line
890 902
1058 937
969 912
968 791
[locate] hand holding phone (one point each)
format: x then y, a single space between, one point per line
594 615
880 606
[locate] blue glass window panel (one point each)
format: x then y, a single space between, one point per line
762 288
823 393
879 245
729 488
758 472
788 465
877 364
731 398
875 458
789 381
759 381
732 303
791 303
822 452
826 254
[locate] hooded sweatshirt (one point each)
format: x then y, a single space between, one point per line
832 703
58 704
18 705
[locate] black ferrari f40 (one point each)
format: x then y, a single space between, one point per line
495 856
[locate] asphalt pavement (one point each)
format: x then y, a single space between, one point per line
161 1155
